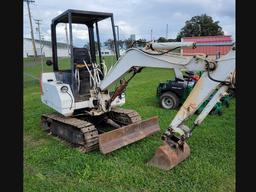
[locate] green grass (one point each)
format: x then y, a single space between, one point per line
53 165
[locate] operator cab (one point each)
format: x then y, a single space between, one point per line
81 58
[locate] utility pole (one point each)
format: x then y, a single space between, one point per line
66 30
166 36
117 32
40 40
39 34
31 26
117 38
151 34
199 29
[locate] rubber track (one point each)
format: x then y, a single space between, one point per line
88 130
120 115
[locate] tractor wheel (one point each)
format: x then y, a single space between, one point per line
169 100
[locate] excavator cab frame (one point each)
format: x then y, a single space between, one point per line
77 55
87 18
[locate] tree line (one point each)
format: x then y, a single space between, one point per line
200 25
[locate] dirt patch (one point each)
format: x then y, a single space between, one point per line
30 142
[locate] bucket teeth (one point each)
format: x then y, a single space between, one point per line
167 157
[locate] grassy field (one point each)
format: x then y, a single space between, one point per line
52 165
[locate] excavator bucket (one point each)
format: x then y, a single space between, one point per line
167 157
126 135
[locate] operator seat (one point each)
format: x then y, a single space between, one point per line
81 55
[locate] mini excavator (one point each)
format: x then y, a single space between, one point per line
89 116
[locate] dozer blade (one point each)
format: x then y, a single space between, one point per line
126 135
167 157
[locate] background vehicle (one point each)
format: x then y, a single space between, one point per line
172 93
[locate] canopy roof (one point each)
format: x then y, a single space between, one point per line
81 17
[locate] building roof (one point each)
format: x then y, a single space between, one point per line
49 43
209 50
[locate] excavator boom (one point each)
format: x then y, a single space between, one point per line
139 58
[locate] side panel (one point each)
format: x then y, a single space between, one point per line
64 103
53 97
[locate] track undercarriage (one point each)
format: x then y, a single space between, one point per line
108 132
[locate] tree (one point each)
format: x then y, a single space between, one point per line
201 25
141 42
171 40
110 44
128 42
161 39
120 43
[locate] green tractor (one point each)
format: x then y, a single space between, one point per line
172 93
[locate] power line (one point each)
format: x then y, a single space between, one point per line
40 40
37 21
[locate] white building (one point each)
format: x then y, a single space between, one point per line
105 52
62 48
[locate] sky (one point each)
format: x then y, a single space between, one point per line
137 17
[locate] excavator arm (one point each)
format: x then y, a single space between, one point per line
218 75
